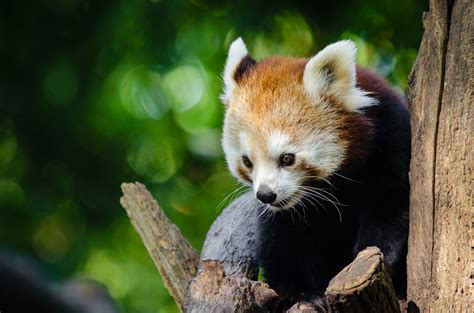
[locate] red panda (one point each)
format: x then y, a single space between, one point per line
325 147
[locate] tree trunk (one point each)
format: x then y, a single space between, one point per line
440 96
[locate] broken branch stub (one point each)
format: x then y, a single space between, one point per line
363 286
213 291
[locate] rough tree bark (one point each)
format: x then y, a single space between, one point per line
441 89
172 254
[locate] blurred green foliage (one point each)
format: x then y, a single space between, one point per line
95 93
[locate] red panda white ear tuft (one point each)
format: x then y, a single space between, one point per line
237 64
333 71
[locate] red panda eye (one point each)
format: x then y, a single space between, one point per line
247 161
287 159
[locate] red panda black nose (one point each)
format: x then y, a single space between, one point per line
265 194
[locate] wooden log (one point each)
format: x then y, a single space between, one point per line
441 89
214 291
232 238
171 252
364 286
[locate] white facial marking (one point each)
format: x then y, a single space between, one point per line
231 155
320 150
278 143
234 148
268 172
244 144
323 151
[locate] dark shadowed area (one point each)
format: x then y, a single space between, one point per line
95 93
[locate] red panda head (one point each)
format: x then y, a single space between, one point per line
290 121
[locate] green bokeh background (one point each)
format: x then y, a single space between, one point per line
95 93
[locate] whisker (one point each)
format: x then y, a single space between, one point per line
310 197
328 182
303 206
349 179
230 195
319 178
315 193
268 213
313 199
284 204
325 192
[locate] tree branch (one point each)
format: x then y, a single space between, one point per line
171 252
363 286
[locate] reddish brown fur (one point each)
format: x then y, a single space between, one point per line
374 83
271 95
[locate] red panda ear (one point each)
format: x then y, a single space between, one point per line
333 71
238 63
